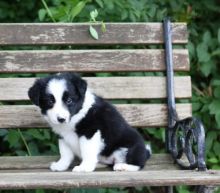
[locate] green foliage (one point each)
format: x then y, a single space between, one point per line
19 11
93 32
183 189
204 49
204 53
29 142
61 10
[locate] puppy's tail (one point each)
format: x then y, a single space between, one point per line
148 150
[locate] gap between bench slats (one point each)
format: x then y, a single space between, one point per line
107 87
90 60
56 180
137 115
78 33
156 162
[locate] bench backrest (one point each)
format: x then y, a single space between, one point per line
124 47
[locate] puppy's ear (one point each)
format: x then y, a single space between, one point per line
81 86
79 83
34 92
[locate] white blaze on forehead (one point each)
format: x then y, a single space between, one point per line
56 87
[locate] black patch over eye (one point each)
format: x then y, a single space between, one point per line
50 100
66 98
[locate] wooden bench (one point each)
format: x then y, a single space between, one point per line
85 55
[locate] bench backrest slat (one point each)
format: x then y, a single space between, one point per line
108 87
90 60
61 34
138 115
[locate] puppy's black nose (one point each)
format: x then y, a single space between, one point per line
61 120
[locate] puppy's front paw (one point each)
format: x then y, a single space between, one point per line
83 168
125 167
58 167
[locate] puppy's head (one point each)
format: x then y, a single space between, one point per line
59 96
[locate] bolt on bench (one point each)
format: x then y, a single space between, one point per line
180 166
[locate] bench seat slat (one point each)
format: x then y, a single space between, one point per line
137 115
43 162
56 180
107 87
78 33
90 60
24 172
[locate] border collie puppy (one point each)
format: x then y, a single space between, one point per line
89 127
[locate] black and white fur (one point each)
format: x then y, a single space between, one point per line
89 126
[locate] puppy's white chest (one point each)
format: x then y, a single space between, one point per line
72 140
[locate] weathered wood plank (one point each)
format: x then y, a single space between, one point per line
137 115
78 33
99 168
107 87
52 180
156 162
90 60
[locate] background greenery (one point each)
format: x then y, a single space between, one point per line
203 18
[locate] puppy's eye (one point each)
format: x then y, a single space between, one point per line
50 100
69 101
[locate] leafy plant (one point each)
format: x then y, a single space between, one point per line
61 10
92 30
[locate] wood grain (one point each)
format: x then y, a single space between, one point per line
107 87
137 115
56 180
90 60
156 162
78 33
